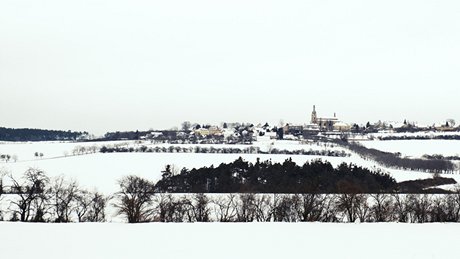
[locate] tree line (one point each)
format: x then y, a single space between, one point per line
441 157
421 137
220 150
7 158
138 202
35 197
394 160
10 134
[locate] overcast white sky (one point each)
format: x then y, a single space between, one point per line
114 65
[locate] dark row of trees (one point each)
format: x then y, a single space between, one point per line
124 135
220 150
429 185
139 203
394 160
10 134
35 197
266 177
441 157
422 137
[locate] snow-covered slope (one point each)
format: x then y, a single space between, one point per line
25 151
417 148
229 240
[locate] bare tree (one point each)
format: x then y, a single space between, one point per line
362 208
83 203
97 207
134 198
163 207
353 205
63 200
32 195
245 210
93 148
419 207
310 207
456 200
284 208
182 210
452 207
186 126
329 208
201 207
263 206
225 209
90 206
381 210
2 174
41 208
439 209
170 209
401 209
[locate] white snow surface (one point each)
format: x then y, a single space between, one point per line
229 240
25 151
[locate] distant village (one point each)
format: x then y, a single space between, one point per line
243 133
315 127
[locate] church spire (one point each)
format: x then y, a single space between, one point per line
314 117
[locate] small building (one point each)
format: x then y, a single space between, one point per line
295 130
310 131
444 128
211 131
342 127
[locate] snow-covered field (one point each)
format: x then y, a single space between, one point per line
203 240
417 148
229 240
101 171
25 151
424 134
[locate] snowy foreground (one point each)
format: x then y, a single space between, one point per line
230 240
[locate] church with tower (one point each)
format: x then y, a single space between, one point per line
327 124
331 125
